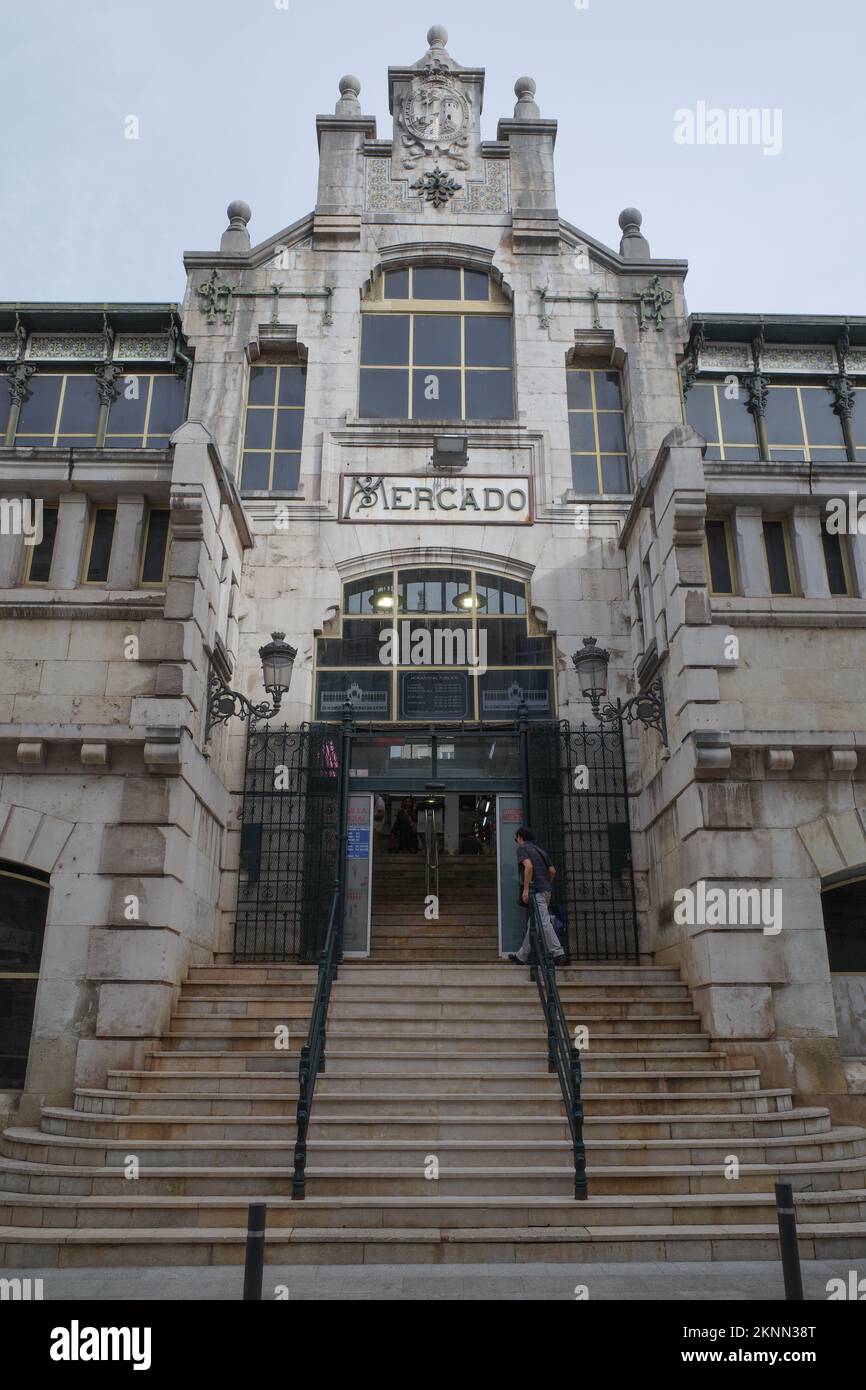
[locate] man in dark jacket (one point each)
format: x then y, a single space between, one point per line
536 877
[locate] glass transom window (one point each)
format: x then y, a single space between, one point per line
436 344
435 644
596 423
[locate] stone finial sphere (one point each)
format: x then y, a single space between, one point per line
630 217
525 87
350 85
239 210
437 37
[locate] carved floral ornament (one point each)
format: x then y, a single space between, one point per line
438 188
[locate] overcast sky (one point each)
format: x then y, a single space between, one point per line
226 92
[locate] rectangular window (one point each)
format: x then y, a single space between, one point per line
155 553
836 560
274 428
720 556
99 546
148 409
596 420
778 551
436 344
39 557
62 411
717 410
802 425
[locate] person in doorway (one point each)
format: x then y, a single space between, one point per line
406 829
536 877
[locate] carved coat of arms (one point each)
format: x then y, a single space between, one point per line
435 119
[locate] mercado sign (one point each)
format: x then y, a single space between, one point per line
394 498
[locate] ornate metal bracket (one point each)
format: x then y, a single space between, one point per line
650 303
224 704
218 298
646 708
692 364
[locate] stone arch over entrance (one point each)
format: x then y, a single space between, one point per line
33 839
836 844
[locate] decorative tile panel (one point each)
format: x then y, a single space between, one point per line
490 194
733 357
8 347
814 359
856 361
156 348
65 347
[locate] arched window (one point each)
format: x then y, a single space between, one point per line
23 906
436 344
442 644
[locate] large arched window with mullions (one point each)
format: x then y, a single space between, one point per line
436 644
436 344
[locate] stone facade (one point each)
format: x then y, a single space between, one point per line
108 783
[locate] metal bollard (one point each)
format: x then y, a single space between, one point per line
788 1242
254 1264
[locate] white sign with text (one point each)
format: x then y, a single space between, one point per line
394 498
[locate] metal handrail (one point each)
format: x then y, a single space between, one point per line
562 1056
431 852
312 1060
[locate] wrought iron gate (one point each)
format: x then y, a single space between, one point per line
579 809
289 843
577 802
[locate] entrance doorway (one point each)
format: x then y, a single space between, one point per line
434 877
309 830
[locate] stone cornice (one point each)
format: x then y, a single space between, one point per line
111 608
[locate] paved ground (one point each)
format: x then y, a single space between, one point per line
733 1282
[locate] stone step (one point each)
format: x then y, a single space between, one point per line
345 1006
504 1027
304 994
246 1084
502 972
478 955
537 1100
194 1036
214 1058
511 987
830 1175
22 1247
271 973
132 1212
441 1127
264 1009
359 1156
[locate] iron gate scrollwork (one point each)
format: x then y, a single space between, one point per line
580 816
289 843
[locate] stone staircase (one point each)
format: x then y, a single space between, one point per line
444 1062
467 929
